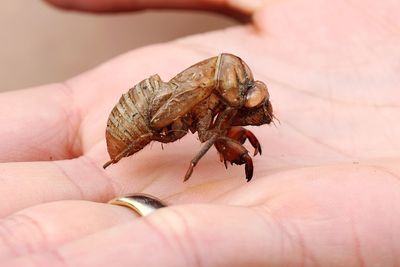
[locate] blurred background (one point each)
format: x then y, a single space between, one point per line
41 44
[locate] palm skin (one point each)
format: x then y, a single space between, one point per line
325 191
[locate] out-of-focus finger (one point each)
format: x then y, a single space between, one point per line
44 227
244 6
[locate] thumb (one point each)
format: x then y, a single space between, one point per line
190 235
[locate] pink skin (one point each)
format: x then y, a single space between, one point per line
325 192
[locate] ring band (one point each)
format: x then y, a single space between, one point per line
142 204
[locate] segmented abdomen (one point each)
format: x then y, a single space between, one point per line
128 128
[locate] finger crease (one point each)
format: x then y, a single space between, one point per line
73 117
59 259
22 235
183 237
291 242
110 190
6 236
34 227
69 178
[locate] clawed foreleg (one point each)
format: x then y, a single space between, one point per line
234 152
241 135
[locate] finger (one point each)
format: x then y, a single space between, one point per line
247 6
47 226
124 5
39 124
201 235
31 183
26 184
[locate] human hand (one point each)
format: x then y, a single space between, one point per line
325 191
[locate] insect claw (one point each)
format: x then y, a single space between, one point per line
248 167
226 166
241 134
248 176
257 150
108 163
189 172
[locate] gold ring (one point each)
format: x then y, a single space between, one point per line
142 204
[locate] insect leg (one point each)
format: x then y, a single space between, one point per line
241 134
203 127
199 155
224 118
234 152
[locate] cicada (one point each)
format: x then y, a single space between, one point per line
214 98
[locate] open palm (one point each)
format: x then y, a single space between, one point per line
325 191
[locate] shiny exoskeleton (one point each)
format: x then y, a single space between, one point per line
214 98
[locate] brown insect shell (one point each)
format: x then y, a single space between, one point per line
188 88
233 78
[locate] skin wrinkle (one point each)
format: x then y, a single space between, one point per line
163 236
393 253
28 220
59 259
301 244
16 245
5 233
111 190
190 243
154 228
64 172
73 117
284 235
357 245
172 233
295 236
306 254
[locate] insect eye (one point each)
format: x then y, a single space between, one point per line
256 95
